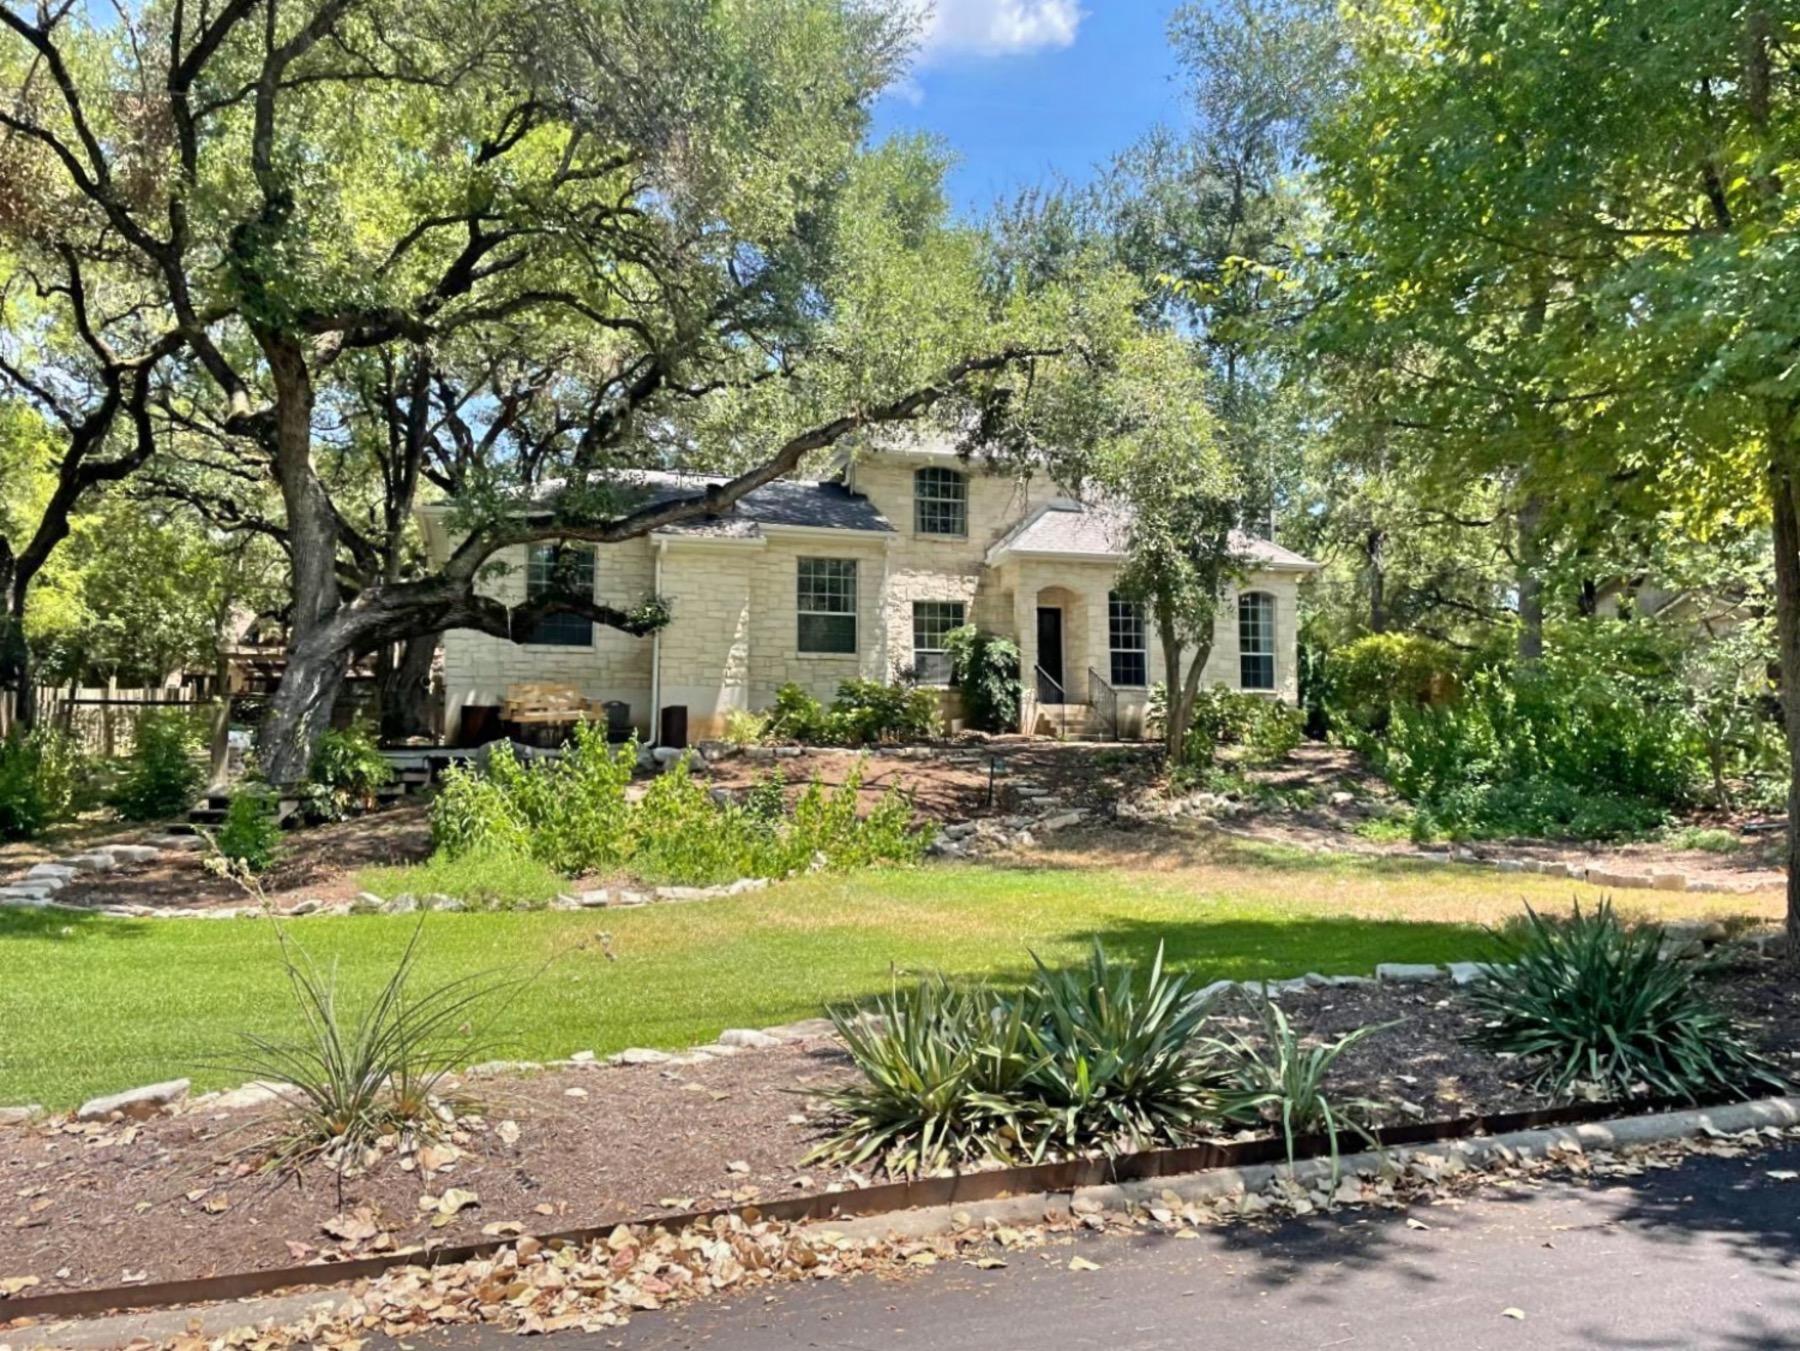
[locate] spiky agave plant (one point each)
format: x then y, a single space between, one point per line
1588 999
1279 1078
1116 1067
940 1067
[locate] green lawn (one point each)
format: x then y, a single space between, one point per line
95 1005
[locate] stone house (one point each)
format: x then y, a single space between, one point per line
862 575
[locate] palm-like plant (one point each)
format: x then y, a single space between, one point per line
1586 999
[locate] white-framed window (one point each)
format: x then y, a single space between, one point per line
933 621
827 605
1256 641
940 502
560 567
1127 637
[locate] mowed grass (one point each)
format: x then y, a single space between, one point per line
91 1005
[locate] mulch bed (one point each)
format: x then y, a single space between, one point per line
177 1196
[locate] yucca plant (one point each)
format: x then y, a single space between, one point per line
1588 1000
352 1075
941 1067
1281 1079
1115 1068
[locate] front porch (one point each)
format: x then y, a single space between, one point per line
1067 628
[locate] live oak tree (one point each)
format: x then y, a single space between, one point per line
1570 230
658 219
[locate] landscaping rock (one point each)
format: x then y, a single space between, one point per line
806 1027
21 1116
631 898
1468 973
179 844
1213 991
1668 882
1319 982
95 861
667 755
57 872
1063 821
303 907
639 1055
403 904
133 853
27 891
687 893
1510 865
448 904
1408 973
256 1093
748 1038
596 899
366 903
583 1058
745 885
134 1102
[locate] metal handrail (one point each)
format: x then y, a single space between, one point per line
1096 681
1062 698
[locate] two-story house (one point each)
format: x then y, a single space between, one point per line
863 575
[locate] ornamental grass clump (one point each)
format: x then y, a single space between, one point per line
350 1075
1587 1001
1077 1062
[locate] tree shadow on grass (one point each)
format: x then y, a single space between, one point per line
66 923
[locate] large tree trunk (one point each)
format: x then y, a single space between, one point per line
1784 480
1531 581
405 695
300 712
1374 545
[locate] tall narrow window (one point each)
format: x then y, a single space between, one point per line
827 605
932 622
1125 634
565 568
1256 641
940 502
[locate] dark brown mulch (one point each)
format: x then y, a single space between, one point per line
174 1199
319 862
953 784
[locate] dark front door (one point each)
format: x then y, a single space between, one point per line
1050 656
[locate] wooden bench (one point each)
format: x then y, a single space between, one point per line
534 703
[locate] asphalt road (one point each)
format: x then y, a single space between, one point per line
1704 1256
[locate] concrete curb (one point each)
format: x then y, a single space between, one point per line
1212 1185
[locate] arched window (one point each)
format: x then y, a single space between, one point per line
940 502
1256 641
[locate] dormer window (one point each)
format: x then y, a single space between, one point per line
940 502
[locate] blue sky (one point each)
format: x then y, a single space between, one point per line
1022 90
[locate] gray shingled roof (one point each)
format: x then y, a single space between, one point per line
785 502
1101 532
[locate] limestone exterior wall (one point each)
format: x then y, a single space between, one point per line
478 668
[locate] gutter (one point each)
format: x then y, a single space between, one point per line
656 572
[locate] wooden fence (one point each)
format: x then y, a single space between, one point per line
103 720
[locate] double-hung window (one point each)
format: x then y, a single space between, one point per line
827 605
940 502
566 568
933 621
1256 641
1126 636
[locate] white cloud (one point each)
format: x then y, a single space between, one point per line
1000 27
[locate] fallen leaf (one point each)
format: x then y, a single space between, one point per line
1513 1313
1082 1264
737 1166
1417 1224
503 1229
216 1204
356 1227
12 1285
508 1131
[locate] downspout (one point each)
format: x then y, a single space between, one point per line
656 651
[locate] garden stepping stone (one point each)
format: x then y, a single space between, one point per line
95 861
133 853
134 1102
59 871
180 844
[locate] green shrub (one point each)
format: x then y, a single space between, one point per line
1077 1061
1585 1000
250 835
744 728
1365 682
1280 1079
348 770
1264 729
165 774
573 815
39 777
482 880
865 712
985 667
